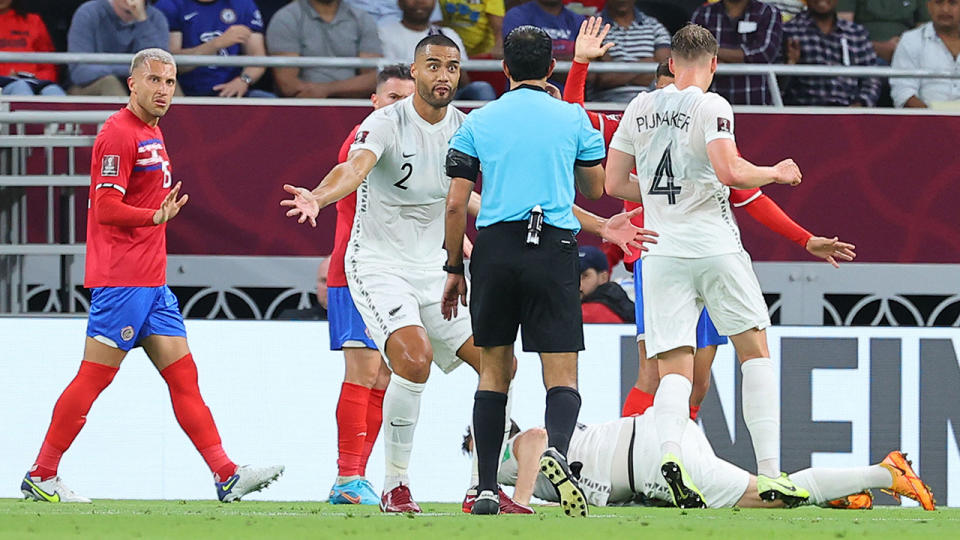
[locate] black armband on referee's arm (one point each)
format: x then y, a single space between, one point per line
460 165
587 163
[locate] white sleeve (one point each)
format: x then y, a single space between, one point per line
376 133
623 137
717 119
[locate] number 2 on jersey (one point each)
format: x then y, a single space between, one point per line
665 170
405 167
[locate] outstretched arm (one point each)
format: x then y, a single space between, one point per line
734 171
341 181
618 230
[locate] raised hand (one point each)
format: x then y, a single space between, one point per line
831 249
787 172
303 204
620 231
170 206
589 44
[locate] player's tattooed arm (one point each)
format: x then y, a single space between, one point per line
341 181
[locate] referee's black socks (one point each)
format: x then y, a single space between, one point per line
489 416
563 407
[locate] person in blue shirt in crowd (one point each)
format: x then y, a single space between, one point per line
222 27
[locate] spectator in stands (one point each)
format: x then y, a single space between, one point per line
112 26
25 32
479 24
56 14
400 38
638 38
819 37
788 8
222 27
387 11
318 311
323 28
749 31
561 24
934 46
601 300
885 21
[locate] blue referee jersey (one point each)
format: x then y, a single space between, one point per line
528 143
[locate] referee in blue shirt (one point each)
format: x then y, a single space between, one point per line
533 149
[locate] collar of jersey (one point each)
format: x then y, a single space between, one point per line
530 87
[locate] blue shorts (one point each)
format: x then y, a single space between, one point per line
122 316
346 324
706 332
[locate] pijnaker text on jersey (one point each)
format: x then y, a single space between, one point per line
654 120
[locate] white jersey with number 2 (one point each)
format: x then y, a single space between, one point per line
667 132
400 205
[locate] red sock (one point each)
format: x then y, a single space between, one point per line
351 427
194 416
694 410
69 415
637 401
374 419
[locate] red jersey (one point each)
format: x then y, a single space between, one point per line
346 210
128 156
25 34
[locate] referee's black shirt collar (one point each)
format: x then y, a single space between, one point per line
530 87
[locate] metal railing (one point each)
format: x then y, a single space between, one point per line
770 71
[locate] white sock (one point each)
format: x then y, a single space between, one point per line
672 406
401 409
829 484
761 413
474 464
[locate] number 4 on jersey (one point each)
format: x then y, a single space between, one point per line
665 170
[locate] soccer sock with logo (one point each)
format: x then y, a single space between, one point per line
70 414
351 430
374 420
507 424
489 411
636 403
401 410
761 413
829 484
672 406
194 416
560 417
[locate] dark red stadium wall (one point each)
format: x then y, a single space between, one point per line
887 183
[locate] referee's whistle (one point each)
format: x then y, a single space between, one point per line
534 225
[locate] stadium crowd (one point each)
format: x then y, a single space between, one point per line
908 34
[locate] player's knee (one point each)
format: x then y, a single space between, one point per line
415 368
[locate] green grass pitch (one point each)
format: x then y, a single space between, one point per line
105 519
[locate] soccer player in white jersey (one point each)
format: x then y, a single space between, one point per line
619 463
394 260
680 139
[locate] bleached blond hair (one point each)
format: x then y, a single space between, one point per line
159 55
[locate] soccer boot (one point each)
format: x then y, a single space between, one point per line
50 490
247 480
357 491
857 501
684 492
399 500
554 466
486 504
906 482
507 505
771 489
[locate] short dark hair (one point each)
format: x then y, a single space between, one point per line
468 436
394 71
435 39
19 8
527 51
663 70
693 41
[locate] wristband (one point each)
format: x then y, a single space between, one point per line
458 269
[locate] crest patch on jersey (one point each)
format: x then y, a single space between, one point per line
110 166
361 137
723 125
228 16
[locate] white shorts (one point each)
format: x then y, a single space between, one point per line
722 483
676 289
388 301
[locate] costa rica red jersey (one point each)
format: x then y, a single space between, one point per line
128 156
346 210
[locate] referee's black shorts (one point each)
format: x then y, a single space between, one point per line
536 288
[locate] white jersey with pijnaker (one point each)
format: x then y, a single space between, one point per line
667 131
400 204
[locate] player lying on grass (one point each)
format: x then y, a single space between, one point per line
618 462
